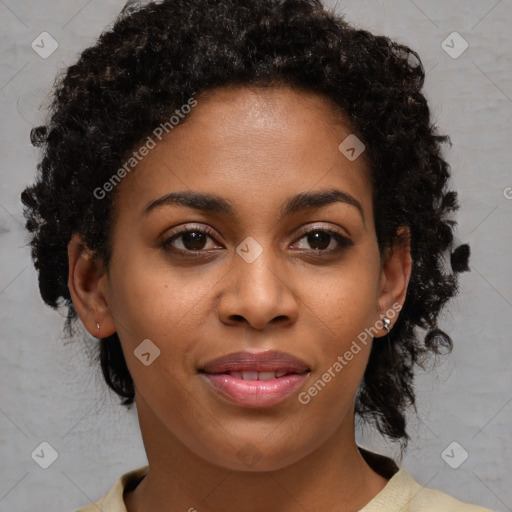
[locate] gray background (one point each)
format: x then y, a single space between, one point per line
50 393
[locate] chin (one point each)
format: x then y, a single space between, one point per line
251 455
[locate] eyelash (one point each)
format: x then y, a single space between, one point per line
343 241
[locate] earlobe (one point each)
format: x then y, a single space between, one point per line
396 272
88 287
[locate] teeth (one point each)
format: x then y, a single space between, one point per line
249 375
266 375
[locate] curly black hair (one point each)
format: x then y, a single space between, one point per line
155 57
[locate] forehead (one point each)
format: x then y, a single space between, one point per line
251 144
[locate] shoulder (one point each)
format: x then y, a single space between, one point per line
113 500
403 493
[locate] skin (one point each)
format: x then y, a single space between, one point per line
254 148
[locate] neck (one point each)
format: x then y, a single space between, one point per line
334 476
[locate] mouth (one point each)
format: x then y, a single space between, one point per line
255 374
255 380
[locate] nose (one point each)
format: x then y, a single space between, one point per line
258 293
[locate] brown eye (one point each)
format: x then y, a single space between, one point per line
193 240
189 240
319 240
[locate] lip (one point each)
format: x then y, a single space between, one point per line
267 361
255 393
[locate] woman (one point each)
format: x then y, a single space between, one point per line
254 226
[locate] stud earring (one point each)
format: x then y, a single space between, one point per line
98 326
387 323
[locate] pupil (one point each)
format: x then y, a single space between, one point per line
194 240
319 239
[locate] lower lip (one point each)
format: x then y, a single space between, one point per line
255 393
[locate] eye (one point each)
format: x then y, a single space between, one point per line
323 240
193 239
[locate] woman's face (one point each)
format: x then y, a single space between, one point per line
269 274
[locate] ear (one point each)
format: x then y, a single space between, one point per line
395 275
88 286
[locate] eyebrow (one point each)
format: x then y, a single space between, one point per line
216 204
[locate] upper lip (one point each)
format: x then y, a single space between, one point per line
268 361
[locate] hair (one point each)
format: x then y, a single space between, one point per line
154 57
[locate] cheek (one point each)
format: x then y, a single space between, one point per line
150 299
153 301
342 307
344 299
343 318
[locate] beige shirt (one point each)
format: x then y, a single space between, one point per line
401 494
